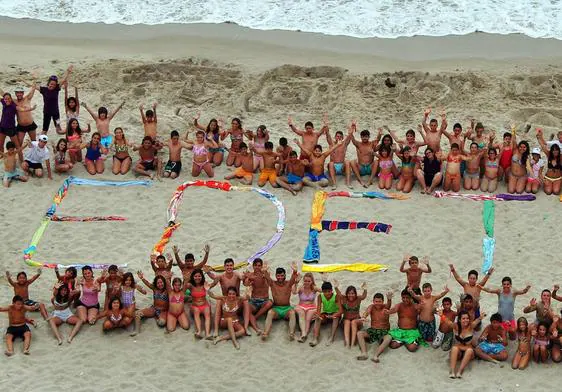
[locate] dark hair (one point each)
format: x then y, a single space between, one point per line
339 133
507 279
473 144
318 147
189 256
283 142
237 120
102 110
112 268
492 149
175 280
228 260
268 146
21 273
293 154
553 148
258 260
126 276
506 134
433 121
447 299
149 113
413 258
10 144
365 133
232 288
378 296
467 297
459 317
280 270
525 155
387 137
428 149
410 132
457 125
384 148
243 145
87 268
542 324
405 292
65 145
213 120
73 271
112 300
17 298
155 282
455 145
426 285
160 257
144 139
71 99
262 128
326 286
192 277
496 317
473 272
61 299
478 126
350 289
545 291
70 131
174 133
308 124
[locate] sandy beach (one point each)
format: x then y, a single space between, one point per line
263 77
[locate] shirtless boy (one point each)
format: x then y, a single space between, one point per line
284 149
21 288
281 290
380 323
25 118
259 301
407 333
365 164
409 141
309 137
295 168
472 286
493 341
148 159
17 325
432 135
246 170
456 137
188 265
444 336
11 171
414 271
149 121
173 166
315 177
162 267
270 160
338 165
103 119
426 320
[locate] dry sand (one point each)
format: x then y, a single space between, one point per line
225 71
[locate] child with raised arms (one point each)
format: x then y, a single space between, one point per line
103 120
426 319
149 121
380 323
21 288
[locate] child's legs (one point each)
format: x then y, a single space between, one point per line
217 158
524 361
90 167
456 184
361 341
543 353
516 360
126 165
467 182
324 182
207 315
484 184
556 187
520 184
436 181
347 332
412 347
535 186
197 319
468 355
387 183
116 166
447 183
82 313
356 325
408 185
183 321
400 184
302 320
100 166
475 183
92 315
195 170
332 172
171 322
26 342
9 343
209 170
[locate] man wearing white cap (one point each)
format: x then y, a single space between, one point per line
34 157
25 118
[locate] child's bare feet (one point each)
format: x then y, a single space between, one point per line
198 335
59 342
375 359
452 375
301 339
8 353
362 357
26 351
264 336
313 343
291 337
209 337
329 342
236 345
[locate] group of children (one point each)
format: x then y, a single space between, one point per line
178 300
480 165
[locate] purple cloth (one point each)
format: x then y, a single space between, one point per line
50 99
508 197
8 115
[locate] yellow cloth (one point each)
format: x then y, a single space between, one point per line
318 208
355 267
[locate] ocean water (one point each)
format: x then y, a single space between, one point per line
357 18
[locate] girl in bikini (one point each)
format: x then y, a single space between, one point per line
259 138
523 353
407 178
236 137
556 339
351 304
115 316
199 303
463 331
490 179
62 164
62 313
541 343
176 312
121 158
453 171
306 308
387 142
200 148
159 308
88 306
553 175
231 305
128 287
74 137
94 150
212 131
472 172
102 119
386 166
518 171
71 104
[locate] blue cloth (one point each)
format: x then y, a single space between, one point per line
293 179
106 141
491 348
338 167
316 178
365 169
312 251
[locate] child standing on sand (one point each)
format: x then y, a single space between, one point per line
414 271
426 320
17 325
172 168
269 161
149 121
431 135
103 119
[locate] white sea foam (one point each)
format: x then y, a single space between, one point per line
358 18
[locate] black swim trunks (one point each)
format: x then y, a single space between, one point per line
34 165
173 167
27 128
148 165
10 132
17 331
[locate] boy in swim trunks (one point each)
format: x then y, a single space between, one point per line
25 118
309 137
259 301
328 308
432 135
149 121
11 171
472 286
380 323
315 177
493 341
338 165
21 288
426 320
365 164
17 325
148 159
407 333
246 170
173 166
415 271
295 169
284 149
281 293
270 160
444 336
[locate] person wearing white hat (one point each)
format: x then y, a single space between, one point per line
25 118
35 156
535 167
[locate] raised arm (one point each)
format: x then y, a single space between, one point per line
35 277
555 293
394 135
143 117
486 277
112 114
92 113
146 282
203 262
532 307
403 265
154 106
305 150
442 294
364 294
456 275
424 265
293 128
426 114
526 290
196 122
542 143
66 74
9 278
489 290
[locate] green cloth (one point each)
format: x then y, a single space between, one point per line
329 305
282 310
488 217
407 336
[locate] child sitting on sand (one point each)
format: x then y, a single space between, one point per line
63 163
11 171
493 341
351 304
316 177
328 309
246 170
269 161
295 170
380 323
149 161
523 352
541 343
17 327
115 316
444 336
453 171
21 288
535 167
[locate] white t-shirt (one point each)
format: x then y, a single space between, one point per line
536 167
36 154
550 143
